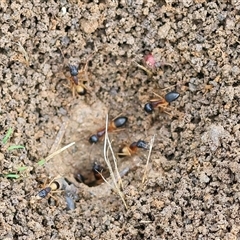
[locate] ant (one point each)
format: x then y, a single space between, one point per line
94 177
113 125
78 78
132 148
97 170
80 178
53 186
161 102
75 84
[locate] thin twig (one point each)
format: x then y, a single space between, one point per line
23 51
59 136
43 161
115 164
58 151
144 69
148 159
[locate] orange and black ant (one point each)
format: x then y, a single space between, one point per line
53 186
78 78
75 83
113 125
97 170
161 102
132 148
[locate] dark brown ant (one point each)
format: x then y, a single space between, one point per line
78 78
93 177
113 125
132 149
161 102
79 178
97 170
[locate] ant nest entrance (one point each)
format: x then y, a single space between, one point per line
94 163
84 161
93 176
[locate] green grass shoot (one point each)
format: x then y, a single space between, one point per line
41 162
8 135
12 175
13 147
22 169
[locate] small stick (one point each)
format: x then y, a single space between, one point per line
164 90
59 136
148 159
58 151
43 161
23 51
144 69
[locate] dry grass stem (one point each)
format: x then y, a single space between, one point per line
58 151
144 69
45 160
117 176
107 147
59 136
23 51
148 159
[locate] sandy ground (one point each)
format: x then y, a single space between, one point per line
193 179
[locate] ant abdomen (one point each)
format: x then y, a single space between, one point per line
171 96
120 121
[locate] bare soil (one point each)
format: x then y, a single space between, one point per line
192 190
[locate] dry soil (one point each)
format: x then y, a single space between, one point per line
192 190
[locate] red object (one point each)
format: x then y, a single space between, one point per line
150 61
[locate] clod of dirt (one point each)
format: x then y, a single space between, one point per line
213 136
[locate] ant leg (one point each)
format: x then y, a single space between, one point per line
158 96
84 71
125 154
54 198
45 184
164 90
72 86
168 113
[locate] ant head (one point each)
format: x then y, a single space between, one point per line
123 152
142 144
97 170
97 167
93 139
148 108
73 70
120 121
79 178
